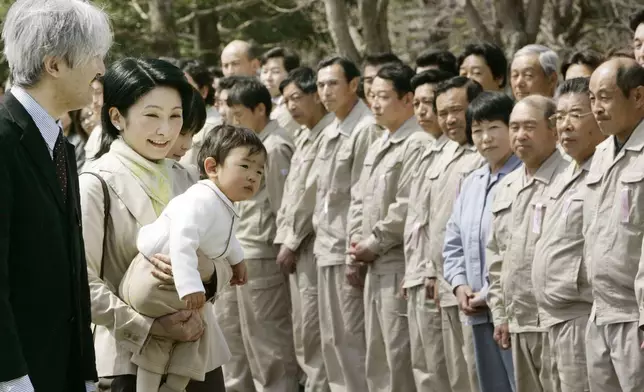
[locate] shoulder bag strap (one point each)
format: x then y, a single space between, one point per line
106 216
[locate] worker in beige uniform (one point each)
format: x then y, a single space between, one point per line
376 224
238 59
559 273
276 63
295 233
517 222
264 303
339 161
613 227
428 361
443 181
237 376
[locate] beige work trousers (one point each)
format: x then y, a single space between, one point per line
388 364
267 328
533 366
237 376
458 343
306 319
615 360
342 330
428 360
568 351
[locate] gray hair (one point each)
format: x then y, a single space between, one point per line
546 105
547 57
72 30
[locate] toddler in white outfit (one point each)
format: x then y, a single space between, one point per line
197 229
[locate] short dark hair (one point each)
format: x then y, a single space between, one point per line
589 58
400 77
472 87
382 59
290 59
488 106
202 77
304 78
573 86
226 83
216 72
493 56
350 69
629 77
194 115
223 139
431 76
249 92
636 20
443 59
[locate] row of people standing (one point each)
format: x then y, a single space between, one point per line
442 182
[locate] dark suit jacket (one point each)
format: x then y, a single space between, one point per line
44 296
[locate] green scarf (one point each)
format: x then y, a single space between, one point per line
154 177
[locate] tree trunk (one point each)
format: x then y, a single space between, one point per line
374 23
162 28
336 16
207 39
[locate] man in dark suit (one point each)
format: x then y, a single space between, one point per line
45 336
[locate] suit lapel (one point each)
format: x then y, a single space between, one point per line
36 147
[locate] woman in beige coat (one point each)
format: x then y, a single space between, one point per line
146 104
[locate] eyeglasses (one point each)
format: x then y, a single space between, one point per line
573 116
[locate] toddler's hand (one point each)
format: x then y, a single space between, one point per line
240 275
195 300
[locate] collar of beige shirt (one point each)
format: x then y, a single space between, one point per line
357 113
407 128
547 168
634 143
320 126
268 129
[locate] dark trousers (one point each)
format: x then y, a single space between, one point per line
214 382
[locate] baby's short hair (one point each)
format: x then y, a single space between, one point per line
223 139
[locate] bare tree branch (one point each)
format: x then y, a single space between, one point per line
286 10
476 20
218 9
139 10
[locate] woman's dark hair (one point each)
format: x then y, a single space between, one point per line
250 93
216 72
194 115
222 140
493 56
304 78
203 78
76 125
589 58
129 79
351 71
488 106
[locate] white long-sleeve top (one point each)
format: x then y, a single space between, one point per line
202 218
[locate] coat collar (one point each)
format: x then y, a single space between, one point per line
126 187
320 126
407 128
548 168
